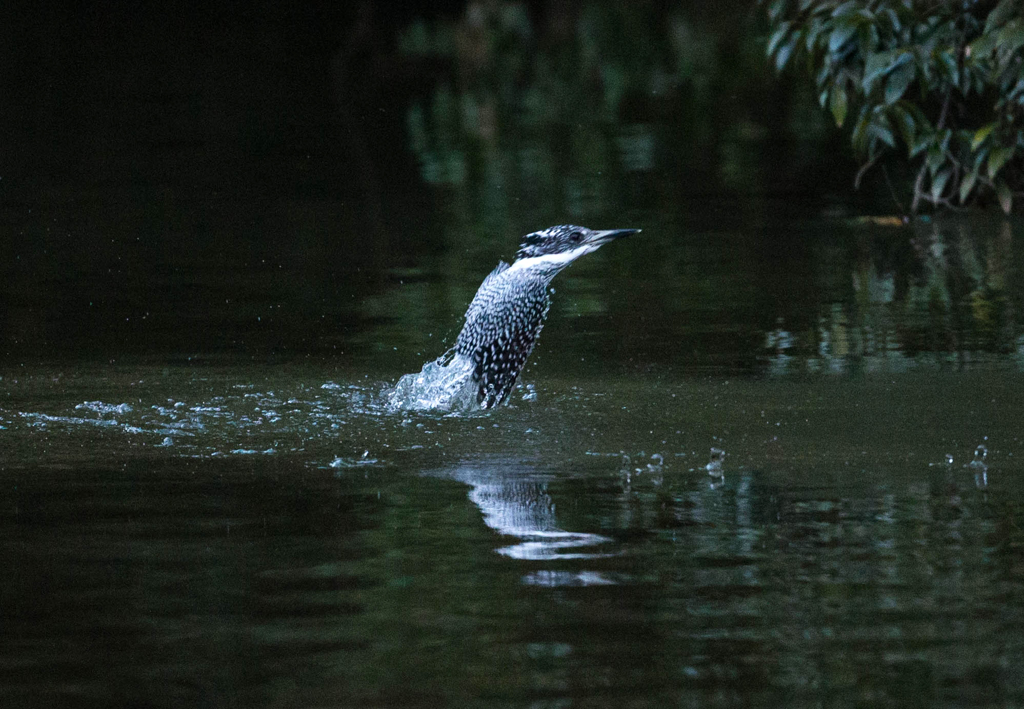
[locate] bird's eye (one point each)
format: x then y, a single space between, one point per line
576 237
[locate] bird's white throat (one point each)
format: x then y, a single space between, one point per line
551 262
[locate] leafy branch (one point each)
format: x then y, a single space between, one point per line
944 81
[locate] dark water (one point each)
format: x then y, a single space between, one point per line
767 453
242 533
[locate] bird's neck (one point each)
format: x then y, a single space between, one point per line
547 265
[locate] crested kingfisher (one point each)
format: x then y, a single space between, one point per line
508 310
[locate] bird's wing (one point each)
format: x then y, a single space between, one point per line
502 324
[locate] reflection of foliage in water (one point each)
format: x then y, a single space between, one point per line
944 296
603 112
590 108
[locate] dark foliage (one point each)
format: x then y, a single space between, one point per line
942 81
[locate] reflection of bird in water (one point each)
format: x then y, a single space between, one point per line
524 509
507 313
514 503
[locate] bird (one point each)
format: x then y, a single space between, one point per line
507 313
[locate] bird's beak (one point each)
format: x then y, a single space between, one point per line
598 238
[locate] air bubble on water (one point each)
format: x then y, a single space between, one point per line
949 459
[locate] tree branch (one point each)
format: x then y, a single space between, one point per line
917 187
863 169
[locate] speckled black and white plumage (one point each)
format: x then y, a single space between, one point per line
508 311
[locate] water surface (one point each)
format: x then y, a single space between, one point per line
262 536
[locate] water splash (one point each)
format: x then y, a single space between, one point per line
102 409
206 417
714 466
445 384
340 463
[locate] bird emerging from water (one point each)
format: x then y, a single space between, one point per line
508 310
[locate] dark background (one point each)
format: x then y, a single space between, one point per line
183 181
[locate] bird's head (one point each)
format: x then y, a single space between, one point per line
567 242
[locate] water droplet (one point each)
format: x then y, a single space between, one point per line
949 458
979 468
714 466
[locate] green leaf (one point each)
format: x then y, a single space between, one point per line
935 158
843 31
982 46
898 81
893 18
967 184
782 56
881 62
1010 39
1005 196
880 129
905 122
980 157
921 143
811 36
775 10
822 79
939 183
1002 12
838 105
980 135
846 8
997 159
777 36
947 61
944 136
859 138
919 115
